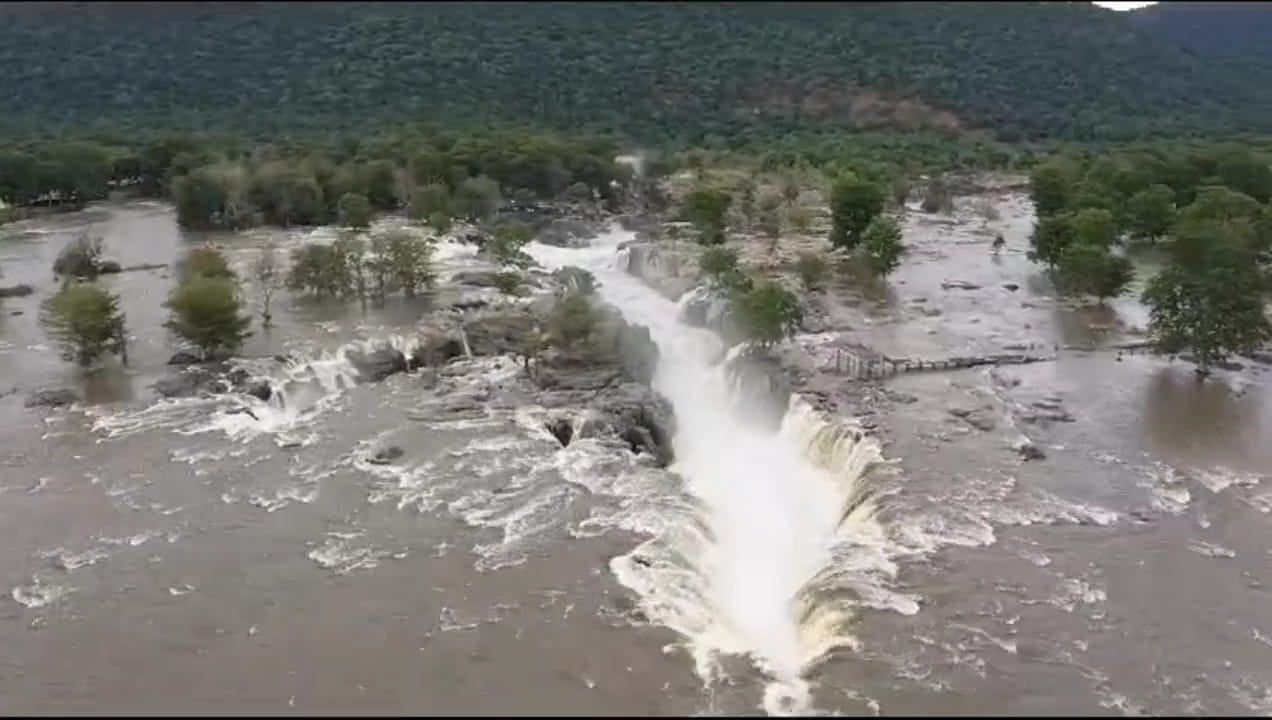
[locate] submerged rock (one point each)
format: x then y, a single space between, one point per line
385 455
16 291
259 389
50 398
1028 451
564 232
109 267
182 385
562 429
959 285
378 364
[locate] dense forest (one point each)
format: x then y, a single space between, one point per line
709 74
1233 31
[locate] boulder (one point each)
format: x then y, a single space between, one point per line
50 398
259 389
378 364
192 381
499 331
562 429
185 357
16 291
385 455
576 278
563 232
1028 451
980 421
959 285
1011 286
109 267
437 347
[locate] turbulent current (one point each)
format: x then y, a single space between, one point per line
777 528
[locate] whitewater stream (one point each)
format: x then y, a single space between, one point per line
226 554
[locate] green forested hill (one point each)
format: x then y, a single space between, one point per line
1236 31
692 72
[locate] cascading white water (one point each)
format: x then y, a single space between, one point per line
775 510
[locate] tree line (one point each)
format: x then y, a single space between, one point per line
1207 208
226 183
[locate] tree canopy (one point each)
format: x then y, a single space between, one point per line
688 72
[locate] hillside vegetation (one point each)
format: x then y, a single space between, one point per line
695 73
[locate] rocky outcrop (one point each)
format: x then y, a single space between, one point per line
50 398
657 268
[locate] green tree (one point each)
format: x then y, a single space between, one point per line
428 200
508 282
770 219
344 273
440 222
573 319
379 266
287 194
1051 185
882 245
1248 174
381 184
206 312
411 259
706 208
1051 235
86 323
354 211
719 265
936 196
812 269
768 312
801 219
1150 212
854 204
477 198
1208 301
204 260
1087 269
1093 226
508 239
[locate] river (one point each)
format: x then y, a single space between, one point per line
169 556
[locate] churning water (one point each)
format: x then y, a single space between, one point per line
761 557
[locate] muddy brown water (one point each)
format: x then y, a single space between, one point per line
153 563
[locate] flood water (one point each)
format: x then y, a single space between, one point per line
169 556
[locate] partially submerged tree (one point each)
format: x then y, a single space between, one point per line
477 198
719 265
354 211
707 208
507 240
1150 212
81 257
204 260
854 203
267 277
812 269
429 199
768 312
508 282
882 246
86 322
1088 269
573 319
1208 300
410 258
936 196
206 312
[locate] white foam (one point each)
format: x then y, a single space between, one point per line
342 553
781 512
39 593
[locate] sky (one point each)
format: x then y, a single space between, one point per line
1123 5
